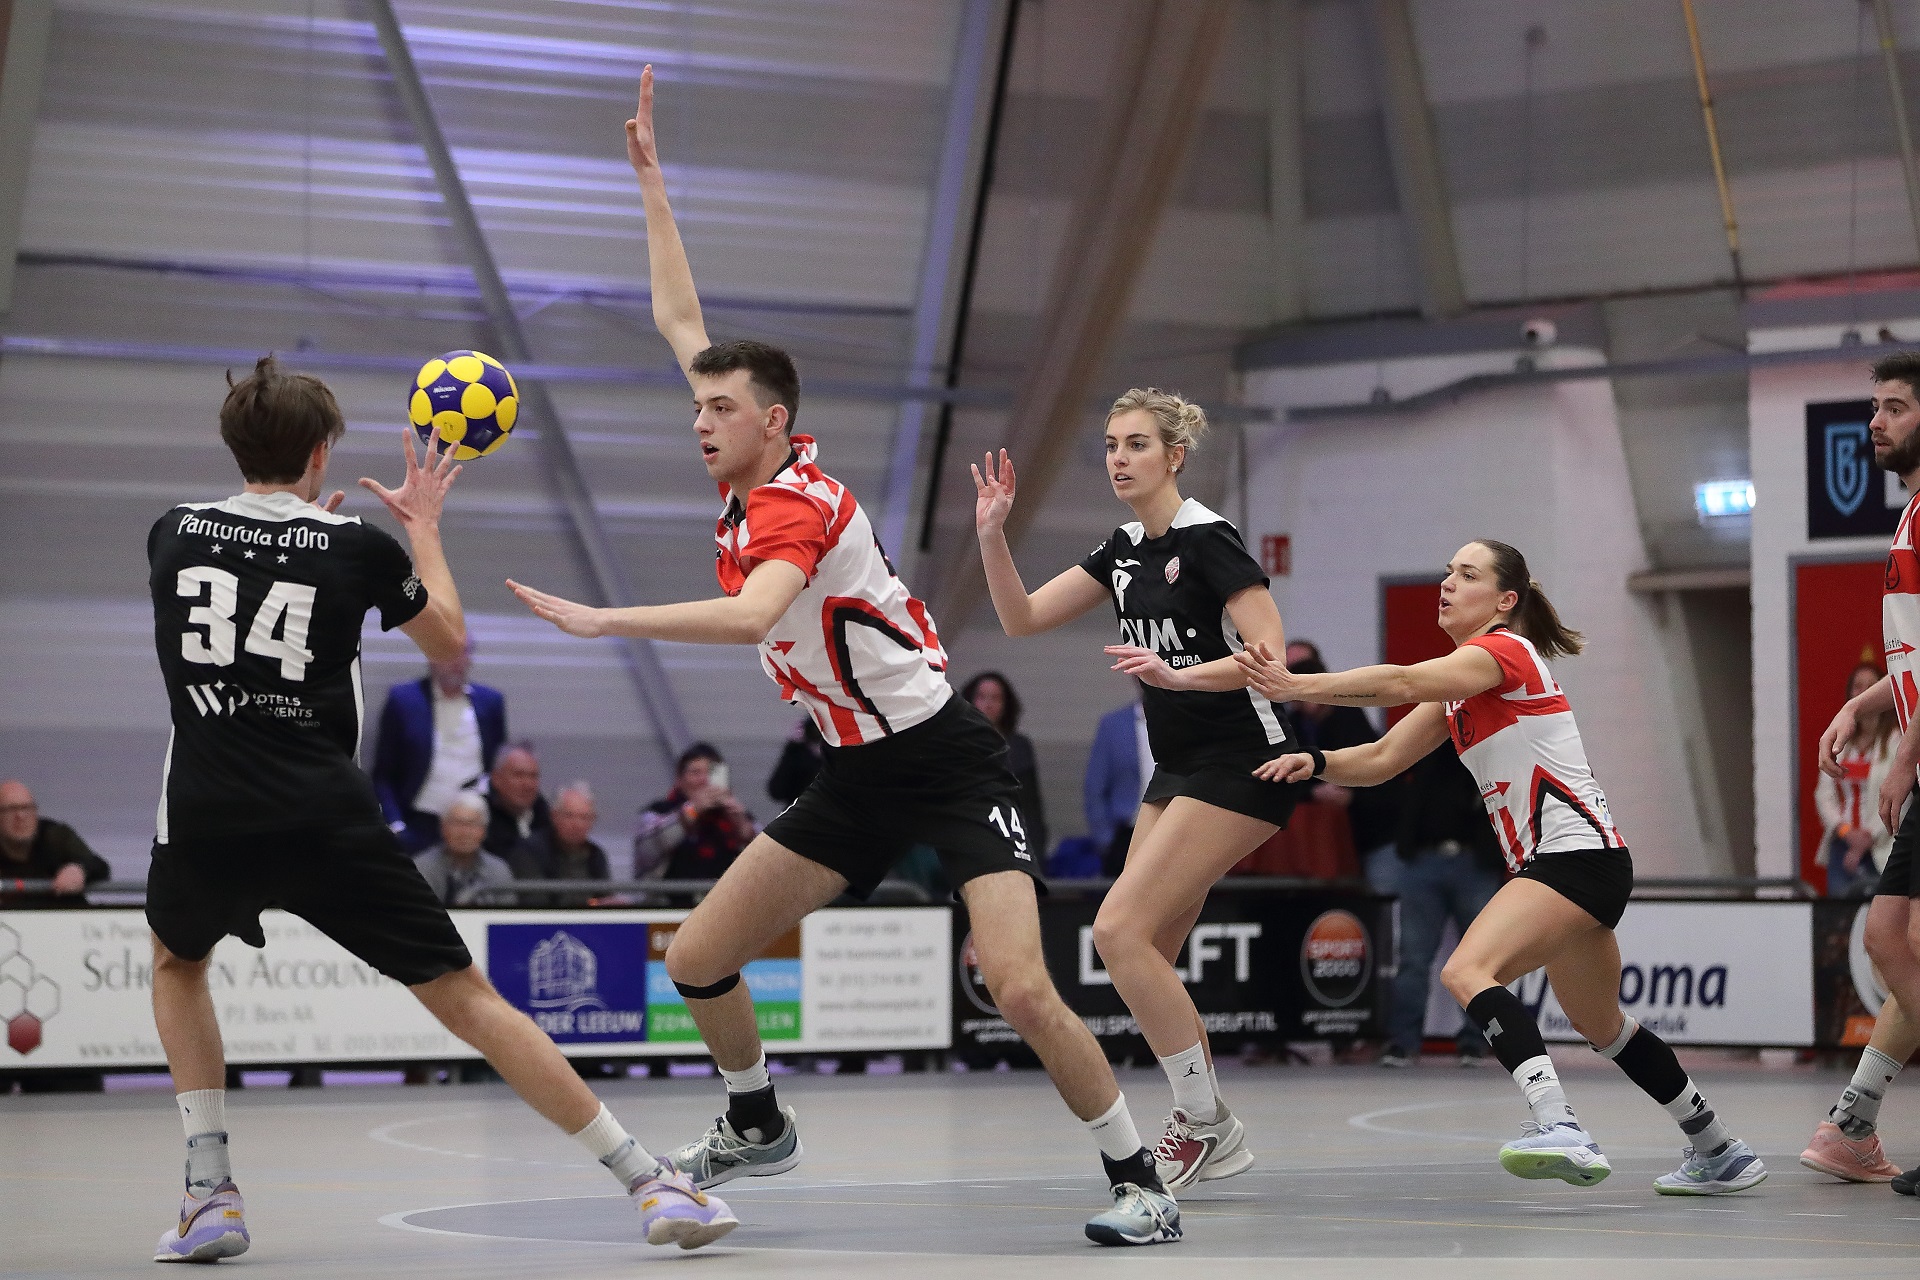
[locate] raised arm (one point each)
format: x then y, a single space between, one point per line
742 619
1061 600
676 305
1370 763
1455 678
440 629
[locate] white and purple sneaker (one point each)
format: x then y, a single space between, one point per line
208 1229
674 1211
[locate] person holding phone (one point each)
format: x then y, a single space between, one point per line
696 830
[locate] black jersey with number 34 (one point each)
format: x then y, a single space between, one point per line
258 603
1170 594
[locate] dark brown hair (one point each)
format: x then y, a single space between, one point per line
273 421
1534 616
1901 366
769 369
1010 715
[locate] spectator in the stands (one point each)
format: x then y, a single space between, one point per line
567 850
697 829
992 696
516 809
799 763
1854 845
1373 813
438 736
1449 868
1118 769
37 848
458 868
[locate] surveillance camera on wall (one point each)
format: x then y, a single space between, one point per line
1539 332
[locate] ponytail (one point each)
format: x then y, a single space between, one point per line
1534 616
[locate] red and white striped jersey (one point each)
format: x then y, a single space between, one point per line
1519 741
855 649
1900 616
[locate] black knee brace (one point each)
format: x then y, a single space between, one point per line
711 992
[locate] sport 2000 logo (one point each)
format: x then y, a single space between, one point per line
1336 958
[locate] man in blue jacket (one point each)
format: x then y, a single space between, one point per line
1118 768
438 737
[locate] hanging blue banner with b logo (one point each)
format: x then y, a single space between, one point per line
1848 495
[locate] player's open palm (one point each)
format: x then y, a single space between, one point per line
570 616
642 153
423 491
993 490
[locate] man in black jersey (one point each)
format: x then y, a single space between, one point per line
257 607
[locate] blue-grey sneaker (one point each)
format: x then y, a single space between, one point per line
721 1155
1735 1169
1563 1151
1138 1216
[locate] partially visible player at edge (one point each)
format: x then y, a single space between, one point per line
1515 732
257 608
1847 1143
1187 596
906 761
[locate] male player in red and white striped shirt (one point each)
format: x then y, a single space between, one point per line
906 762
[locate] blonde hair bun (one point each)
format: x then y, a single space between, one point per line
1181 422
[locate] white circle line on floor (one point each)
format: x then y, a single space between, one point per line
1367 1120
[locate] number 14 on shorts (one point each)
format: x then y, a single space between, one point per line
1006 819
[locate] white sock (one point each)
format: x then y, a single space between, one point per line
1858 1111
1696 1119
610 1144
203 1114
1114 1131
1213 1080
202 1111
1541 1083
752 1080
1192 1086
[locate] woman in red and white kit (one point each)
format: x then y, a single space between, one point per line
1515 732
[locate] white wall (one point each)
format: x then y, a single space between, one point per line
1539 467
1777 418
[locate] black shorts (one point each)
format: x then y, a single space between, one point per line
1896 879
1598 881
354 884
943 783
1229 786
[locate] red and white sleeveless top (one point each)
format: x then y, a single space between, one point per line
1519 741
855 649
1900 616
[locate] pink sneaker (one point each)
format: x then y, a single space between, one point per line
1849 1159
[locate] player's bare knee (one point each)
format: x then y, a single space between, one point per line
1117 936
1025 1000
1463 979
692 964
1889 942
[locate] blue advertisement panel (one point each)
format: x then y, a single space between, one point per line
580 982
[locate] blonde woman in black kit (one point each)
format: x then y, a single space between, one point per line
1187 596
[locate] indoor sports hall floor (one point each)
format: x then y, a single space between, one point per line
1362 1172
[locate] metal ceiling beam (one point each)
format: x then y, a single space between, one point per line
1418 176
608 575
1890 58
1286 165
1155 93
24 29
947 263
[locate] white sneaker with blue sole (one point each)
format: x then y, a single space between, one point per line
1735 1168
1138 1216
1563 1151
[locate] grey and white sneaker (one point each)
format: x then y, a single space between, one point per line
1563 1151
1138 1216
1735 1169
721 1155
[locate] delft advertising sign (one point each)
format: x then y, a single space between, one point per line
1848 495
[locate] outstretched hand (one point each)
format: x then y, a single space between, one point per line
1268 675
574 619
1145 666
423 492
642 153
1297 767
993 491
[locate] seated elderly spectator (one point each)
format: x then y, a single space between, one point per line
515 807
438 736
567 851
696 830
37 848
458 868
